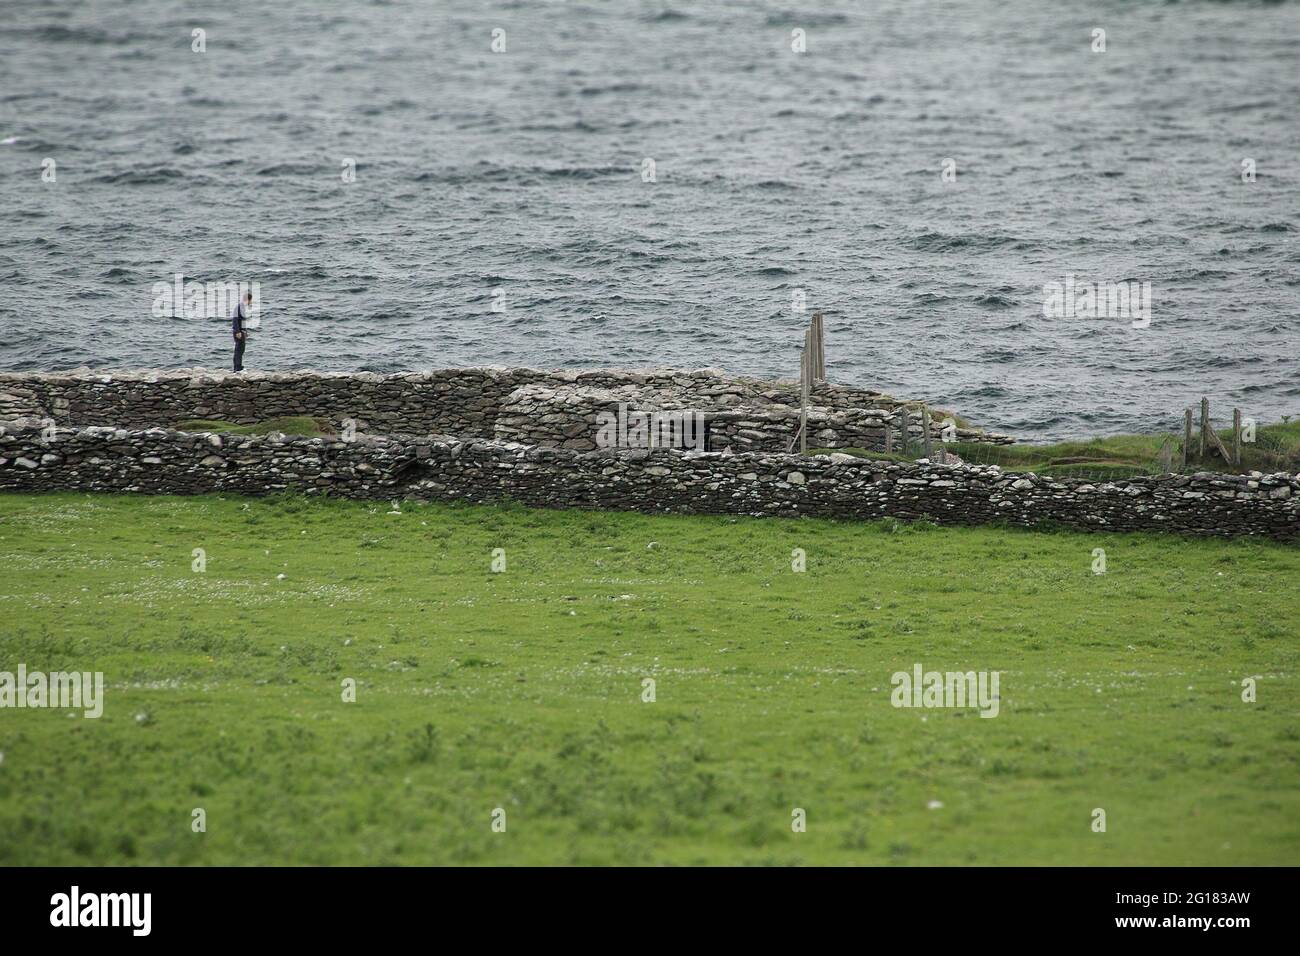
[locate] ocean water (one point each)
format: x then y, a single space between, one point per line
499 213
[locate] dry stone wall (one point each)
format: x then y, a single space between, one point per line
570 416
159 461
549 408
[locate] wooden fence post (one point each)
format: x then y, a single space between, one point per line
819 348
1187 436
889 435
902 430
1205 427
925 430
812 351
805 370
821 344
1236 437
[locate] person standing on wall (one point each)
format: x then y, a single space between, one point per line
237 326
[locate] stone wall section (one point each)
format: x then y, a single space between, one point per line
440 468
549 408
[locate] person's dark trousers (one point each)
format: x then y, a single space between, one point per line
239 354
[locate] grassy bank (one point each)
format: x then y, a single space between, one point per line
523 689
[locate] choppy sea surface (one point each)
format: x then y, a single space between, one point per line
513 181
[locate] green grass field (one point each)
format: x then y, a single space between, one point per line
523 689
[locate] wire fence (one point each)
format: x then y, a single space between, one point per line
1117 458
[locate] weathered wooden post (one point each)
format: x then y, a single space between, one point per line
1205 427
889 435
819 348
820 352
1236 437
925 430
805 373
1187 436
821 345
811 336
902 431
